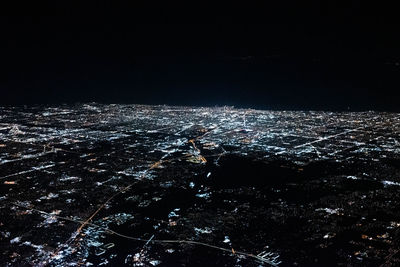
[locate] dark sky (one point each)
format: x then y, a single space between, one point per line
282 56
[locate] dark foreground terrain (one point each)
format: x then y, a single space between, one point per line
176 186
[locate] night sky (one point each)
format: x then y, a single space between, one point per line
282 56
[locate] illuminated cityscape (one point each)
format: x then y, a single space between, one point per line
93 184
